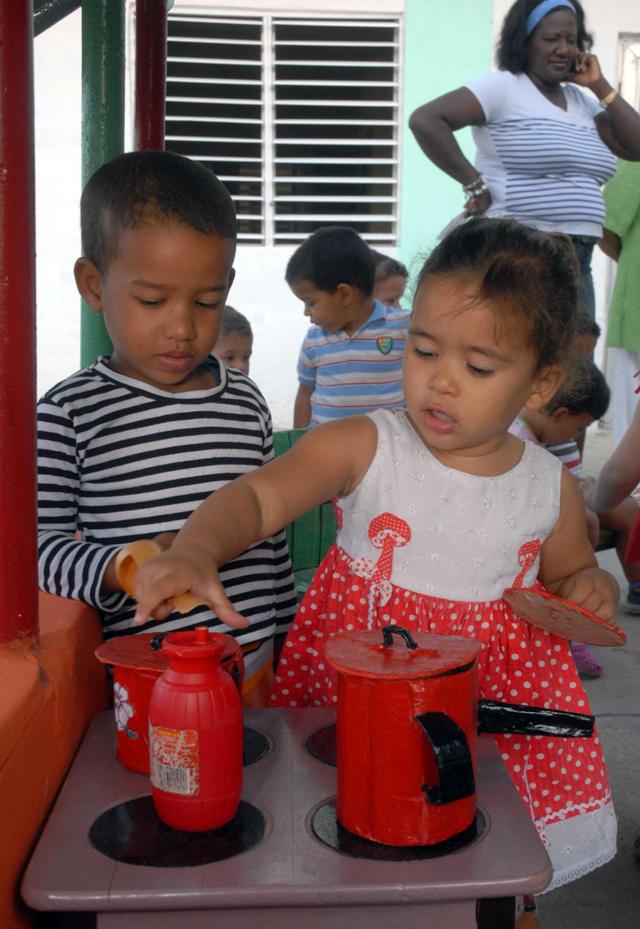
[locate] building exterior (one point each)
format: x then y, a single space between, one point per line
302 108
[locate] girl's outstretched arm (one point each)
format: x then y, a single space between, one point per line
328 461
568 566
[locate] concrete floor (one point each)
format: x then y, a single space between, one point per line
610 896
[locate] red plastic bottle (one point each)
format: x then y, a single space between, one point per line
195 735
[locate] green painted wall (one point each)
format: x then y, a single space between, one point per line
445 44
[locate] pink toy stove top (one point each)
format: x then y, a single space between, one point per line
289 878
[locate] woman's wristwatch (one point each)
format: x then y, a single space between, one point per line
476 189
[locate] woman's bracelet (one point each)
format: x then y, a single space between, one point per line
476 189
609 98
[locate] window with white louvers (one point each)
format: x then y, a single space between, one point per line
298 116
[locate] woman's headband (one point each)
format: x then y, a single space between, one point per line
541 11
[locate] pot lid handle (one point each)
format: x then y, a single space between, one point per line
389 631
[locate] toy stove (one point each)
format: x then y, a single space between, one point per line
284 860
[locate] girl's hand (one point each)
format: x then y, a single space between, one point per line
593 589
188 568
587 70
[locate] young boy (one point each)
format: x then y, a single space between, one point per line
129 446
351 358
582 400
390 279
235 342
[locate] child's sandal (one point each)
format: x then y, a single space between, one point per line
586 661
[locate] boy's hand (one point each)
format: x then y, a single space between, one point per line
164 540
593 589
191 569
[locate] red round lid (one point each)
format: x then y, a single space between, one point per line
135 651
394 653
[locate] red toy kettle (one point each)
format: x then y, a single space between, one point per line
406 734
195 735
137 662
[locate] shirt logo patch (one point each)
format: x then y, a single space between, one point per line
385 344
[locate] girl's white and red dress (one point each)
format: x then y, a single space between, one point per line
432 548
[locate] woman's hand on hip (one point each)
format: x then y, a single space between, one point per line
478 205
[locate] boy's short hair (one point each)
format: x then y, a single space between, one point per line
586 325
388 267
331 256
138 187
584 390
234 321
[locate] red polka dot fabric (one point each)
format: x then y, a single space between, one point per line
558 779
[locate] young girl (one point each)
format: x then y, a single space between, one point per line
440 509
390 279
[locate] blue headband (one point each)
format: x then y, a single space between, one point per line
541 11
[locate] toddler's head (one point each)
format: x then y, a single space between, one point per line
235 342
582 399
158 242
390 279
492 323
332 273
528 277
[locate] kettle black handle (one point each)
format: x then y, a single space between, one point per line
520 719
156 641
389 631
453 759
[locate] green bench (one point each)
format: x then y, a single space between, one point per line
310 536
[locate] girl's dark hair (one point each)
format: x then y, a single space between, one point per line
512 52
584 390
330 256
136 187
388 267
527 275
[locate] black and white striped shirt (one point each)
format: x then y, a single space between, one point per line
120 460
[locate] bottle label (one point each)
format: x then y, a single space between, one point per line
174 757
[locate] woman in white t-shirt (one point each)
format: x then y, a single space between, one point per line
544 146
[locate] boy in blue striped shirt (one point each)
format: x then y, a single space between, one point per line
351 357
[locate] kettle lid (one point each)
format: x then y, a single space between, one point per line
143 651
394 653
133 651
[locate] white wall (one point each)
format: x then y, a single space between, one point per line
57 63
259 291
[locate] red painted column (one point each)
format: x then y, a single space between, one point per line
18 539
151 73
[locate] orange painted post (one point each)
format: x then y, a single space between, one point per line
151 73
18 535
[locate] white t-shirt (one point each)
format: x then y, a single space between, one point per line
545 166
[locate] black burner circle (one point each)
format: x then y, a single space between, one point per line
132 833
256 746
326 828
322 744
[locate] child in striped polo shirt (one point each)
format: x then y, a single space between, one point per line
351 357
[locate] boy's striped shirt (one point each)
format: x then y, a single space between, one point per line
120 460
